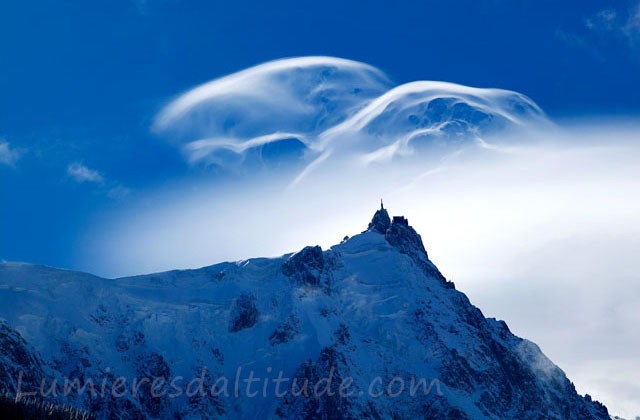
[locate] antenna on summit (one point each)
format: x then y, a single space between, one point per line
381 205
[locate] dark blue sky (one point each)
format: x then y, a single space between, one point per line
81 81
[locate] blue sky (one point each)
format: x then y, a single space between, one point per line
81 83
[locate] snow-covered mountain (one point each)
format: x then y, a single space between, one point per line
370 325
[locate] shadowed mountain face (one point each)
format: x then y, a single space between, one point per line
369 328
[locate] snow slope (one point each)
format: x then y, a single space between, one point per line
372 310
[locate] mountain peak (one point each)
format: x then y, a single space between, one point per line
348 316
380 221
396 230
402 236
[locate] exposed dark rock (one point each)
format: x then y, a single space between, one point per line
217 354
128 339
439 408
380 221
312 267
102 316
244 313
18 361
201 402
286 331
318 390
405 238
402 236
456 373
153 367
342 335
305 266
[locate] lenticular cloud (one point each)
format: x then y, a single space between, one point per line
285 99
307 109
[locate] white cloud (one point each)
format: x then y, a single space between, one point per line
278 94
622 23
619 27
329 106
632 25
8 155
605 19
275 104
81 173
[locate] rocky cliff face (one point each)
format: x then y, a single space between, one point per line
369 328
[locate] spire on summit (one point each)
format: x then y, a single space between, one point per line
381 220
